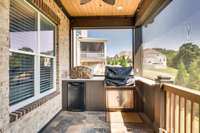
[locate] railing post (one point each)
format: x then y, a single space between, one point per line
161 80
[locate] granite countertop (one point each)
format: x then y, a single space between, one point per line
102 78
92 79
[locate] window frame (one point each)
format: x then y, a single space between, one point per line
37 55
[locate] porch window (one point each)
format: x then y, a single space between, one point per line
96 48
32 54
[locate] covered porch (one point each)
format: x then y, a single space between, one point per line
41 45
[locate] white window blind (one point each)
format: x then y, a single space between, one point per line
21 77
46 74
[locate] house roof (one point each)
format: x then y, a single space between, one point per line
149 53
129 54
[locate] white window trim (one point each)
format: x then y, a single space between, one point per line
37 55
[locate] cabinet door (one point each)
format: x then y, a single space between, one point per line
95 96
76 95
119 99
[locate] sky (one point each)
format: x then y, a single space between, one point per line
28 39
118 39
178 23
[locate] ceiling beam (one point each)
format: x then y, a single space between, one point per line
148 9
102 22
61 6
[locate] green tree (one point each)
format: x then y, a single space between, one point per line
26 49
109 61
187 53
182 76
194 75
124 61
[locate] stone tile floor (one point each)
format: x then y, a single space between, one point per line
91 122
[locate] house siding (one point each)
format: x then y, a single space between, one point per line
39 117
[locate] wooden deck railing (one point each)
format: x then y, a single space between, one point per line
170 108
182 110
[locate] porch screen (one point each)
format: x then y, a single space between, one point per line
97 48
32 57
171 44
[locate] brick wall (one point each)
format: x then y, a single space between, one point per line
36 119
4 79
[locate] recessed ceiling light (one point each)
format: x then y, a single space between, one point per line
119 8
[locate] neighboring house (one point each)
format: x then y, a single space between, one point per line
127 54
154 59
92 53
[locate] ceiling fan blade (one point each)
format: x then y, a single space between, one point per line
82 2
111 2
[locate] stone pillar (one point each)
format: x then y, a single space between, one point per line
4 64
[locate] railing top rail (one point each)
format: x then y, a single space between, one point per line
189 94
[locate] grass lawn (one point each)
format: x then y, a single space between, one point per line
153 73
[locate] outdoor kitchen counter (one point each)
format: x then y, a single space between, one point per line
102 78
92 79
95 95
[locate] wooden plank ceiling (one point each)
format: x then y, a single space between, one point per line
99 8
